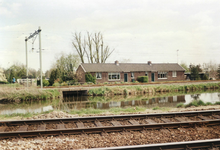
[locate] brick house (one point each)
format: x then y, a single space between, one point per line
128 72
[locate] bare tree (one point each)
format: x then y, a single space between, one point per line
79 46
92 46
211 68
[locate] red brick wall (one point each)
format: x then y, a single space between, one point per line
105 77
80 74
179 76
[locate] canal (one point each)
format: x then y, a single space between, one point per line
70 102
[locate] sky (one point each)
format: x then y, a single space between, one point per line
160 31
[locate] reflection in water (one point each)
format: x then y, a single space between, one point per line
24 111
195 96
27 107
99 102
170 101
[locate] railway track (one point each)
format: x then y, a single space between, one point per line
106 124
213 144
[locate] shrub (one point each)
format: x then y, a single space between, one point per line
90 78
180 105
3 82
45 82
64 84
143 79
56 84
72 82
205 77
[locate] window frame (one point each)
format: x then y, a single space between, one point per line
174 74
162 74
114 74
146 73
98 73
132 75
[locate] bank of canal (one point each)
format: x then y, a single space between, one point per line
116 99
115 104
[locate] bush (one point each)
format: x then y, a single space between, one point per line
143 79
64 84
205 77
180 105
72 82
56 84
45 82
90 78
3 82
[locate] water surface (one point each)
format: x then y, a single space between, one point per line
99 102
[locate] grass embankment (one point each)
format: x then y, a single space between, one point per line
142 89
108 111
21 94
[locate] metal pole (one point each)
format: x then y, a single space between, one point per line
26 59
177 56
41 79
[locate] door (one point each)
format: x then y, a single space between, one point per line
152 77
125 77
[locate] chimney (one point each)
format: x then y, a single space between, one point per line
149 63
116 62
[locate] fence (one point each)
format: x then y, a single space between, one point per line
31 82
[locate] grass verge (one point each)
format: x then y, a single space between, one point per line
23 94
141 89
108 111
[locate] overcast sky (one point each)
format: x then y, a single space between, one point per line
138 30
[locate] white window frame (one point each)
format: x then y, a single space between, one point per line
146 73
174 74
98 73
132 75
114 76
162 75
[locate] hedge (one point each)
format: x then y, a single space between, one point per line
142 79
3 82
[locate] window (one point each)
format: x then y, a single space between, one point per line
132 75
174 73
98 75
113 76
162 75
146 74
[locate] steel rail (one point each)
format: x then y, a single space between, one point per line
106 129
200 144
105 118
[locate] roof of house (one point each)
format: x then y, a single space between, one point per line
130 67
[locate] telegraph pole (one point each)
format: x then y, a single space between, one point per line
26 39
177 55
41 83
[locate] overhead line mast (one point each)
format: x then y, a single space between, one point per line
38 32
